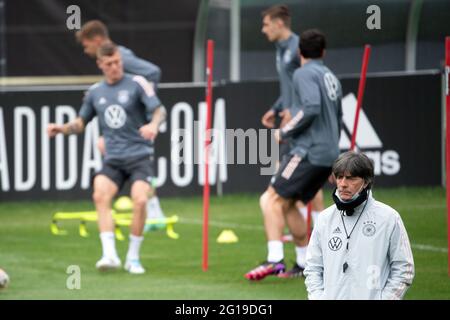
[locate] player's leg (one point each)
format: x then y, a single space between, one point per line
272 202
104 191
289 184
296 224
271 207
317 205
139 195
284 152
306 181
141 174
103 188
273 217
302 210
297 227
154 211
273 229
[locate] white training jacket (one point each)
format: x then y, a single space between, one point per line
379 258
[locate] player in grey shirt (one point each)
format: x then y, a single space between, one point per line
313 133
122 108
277 28
122 104
95 33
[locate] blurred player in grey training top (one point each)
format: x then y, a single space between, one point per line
122 103
313 134
92 35
277 28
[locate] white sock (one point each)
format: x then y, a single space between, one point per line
151 214
301 255
108 244
304 212
154 210
275 251
158 207
314 216
134 247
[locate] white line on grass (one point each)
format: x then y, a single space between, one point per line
425 247
421 207
221 224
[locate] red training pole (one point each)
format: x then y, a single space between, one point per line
362 84
209 74
447 136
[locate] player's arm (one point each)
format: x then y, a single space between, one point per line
153 107
137 66
149 71
401 262
87 112
159 116
314 267
307 92
153 74
278 105
150 130
73 127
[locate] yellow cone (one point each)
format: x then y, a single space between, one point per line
227 236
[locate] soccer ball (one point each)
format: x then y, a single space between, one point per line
4 279
123 203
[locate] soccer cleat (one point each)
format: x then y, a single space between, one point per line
295 272
154 226
134 267
107 263
266 269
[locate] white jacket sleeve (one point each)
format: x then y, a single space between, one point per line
314 267
401 263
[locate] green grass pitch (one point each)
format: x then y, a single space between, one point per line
37 261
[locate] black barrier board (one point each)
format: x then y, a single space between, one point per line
400 130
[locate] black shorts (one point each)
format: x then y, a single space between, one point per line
139 169
298 179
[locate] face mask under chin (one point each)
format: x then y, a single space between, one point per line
349 205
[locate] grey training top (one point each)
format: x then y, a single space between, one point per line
287 62
121 109
137 66
315 127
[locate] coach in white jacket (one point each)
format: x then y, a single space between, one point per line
359 248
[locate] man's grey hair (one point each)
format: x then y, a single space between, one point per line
356 164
